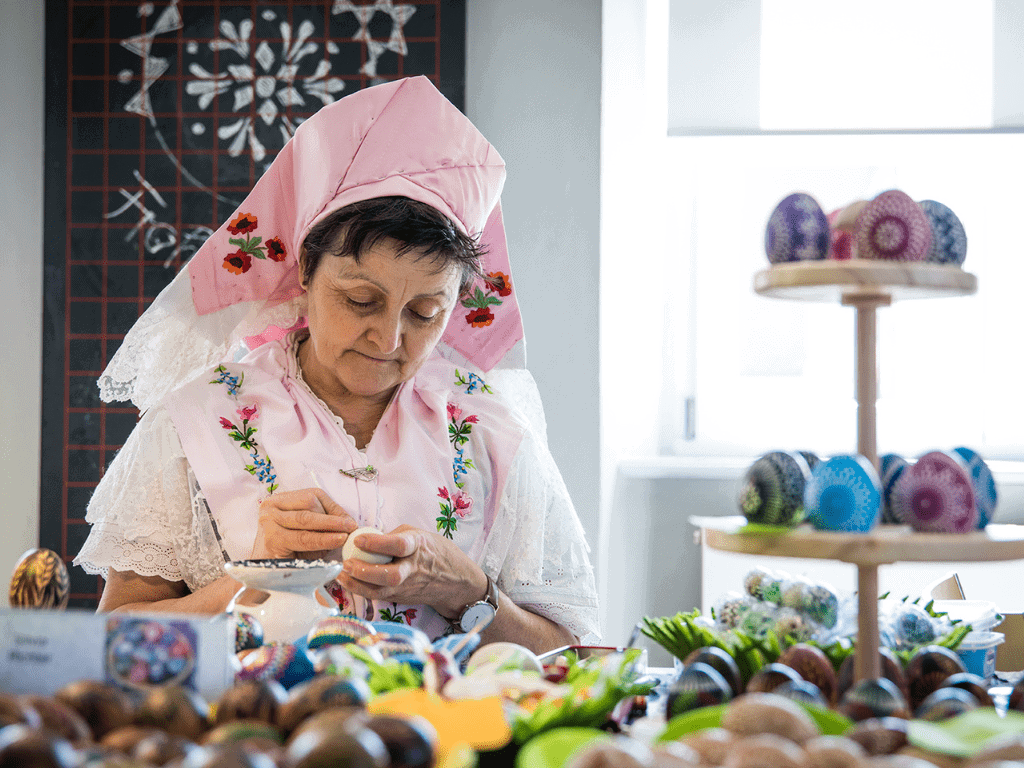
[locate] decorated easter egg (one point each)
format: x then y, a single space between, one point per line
147 652
840 245
411 740
337 630
821 603
722 661
944 703
880 735
797 230
698 685
287 663
251 735
178 710
730 612
814 667
753 580
460 645
892 670
891 466
912 626
893 227
248 632
250 700
771 676
843 494
877 697
949 239
935 494
984 483
928 669
503 656
811 458
973 684
40 580
319 693
773 489
803 692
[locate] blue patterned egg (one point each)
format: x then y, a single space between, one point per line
843 494
892 227
698 685
892 465
985 494
797 230
935 494
338 630
945 703
248 632
773 489
877 697
949 239
288 663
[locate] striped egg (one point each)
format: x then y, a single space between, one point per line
892 227
985 494
287 663
935 494
797 230
338 630
891 466
773 489
40 580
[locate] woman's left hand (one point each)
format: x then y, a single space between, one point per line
427 569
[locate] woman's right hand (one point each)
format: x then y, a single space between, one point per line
304 524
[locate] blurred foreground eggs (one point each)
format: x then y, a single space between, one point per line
40 580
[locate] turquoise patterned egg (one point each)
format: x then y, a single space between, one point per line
773 489
338 630
985 495
878 697
949 238
248 632
891 466
844 493
287 663
698 685
945 703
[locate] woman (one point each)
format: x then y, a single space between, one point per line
367 240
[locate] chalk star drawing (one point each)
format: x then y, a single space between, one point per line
399 14
152 66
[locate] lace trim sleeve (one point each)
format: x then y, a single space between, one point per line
148 515
538 551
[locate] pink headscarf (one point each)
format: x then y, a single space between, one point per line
401 138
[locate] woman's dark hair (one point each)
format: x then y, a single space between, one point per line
419 228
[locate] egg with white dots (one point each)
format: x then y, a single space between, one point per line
797 230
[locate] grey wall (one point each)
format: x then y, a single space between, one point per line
21 262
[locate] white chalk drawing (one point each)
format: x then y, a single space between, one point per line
399 14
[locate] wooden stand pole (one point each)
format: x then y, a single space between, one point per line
866 370
867 662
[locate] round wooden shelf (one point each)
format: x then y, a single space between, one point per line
883 545
830 280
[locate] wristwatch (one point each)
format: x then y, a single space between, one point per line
480 613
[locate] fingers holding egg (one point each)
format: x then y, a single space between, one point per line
353 550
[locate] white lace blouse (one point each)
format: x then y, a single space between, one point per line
149 516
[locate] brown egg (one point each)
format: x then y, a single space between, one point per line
125 738
722 662
352 747
411 740
252 734
21 745
14 710
1017 696
928 669
40 580
178 710
333 719
880 735
619 752
1008 747
251 700
891 669
711 744
60 719
757 713
771 676
766 750
833 752
103 706
228 756
161 748
933 758
317 694
813 666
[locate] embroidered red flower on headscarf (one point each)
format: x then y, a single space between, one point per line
499 283
238 262
276 250
480 317
462 504
242 224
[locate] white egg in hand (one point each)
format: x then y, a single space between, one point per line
351 550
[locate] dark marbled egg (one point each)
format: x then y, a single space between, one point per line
320 693
892 669
874 698
973 684
720 660
771 676
813 666
945 703
698 685
251 700
928 669
803 692
880 735
773 488
40 580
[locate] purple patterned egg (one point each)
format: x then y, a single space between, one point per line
936 495
985 495
928 669
287 663
803 692
698 685
771 676
945 703
40 580
722 662
949 239
892 227
891 466
891 670
773 489
248 632
877 697
338 630
797 230
973 684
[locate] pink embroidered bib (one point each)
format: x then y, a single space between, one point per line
439 456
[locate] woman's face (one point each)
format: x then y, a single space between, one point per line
374 322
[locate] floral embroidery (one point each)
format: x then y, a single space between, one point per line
393 614
479 318
479 302
261 467
454 507
499 283
471 382
337 592
251 246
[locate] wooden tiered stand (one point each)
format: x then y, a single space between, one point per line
866 286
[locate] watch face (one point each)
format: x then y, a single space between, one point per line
480 613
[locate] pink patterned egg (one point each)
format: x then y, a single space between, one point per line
893 227
935 494
840 245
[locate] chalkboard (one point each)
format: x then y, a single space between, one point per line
160 118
